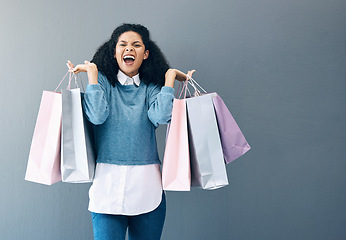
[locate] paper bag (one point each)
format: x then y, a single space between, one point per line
44 158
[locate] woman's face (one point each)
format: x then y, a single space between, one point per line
130 53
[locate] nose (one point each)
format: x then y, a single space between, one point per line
129 49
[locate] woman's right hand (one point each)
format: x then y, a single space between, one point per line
70 66
88 67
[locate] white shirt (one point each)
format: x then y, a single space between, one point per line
125 190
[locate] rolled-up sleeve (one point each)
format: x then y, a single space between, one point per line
160 105
95 104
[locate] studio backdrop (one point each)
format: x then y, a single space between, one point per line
278 65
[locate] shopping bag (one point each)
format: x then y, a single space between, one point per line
233 141
208 169
44 157
77 140
176 175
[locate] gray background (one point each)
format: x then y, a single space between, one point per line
279 65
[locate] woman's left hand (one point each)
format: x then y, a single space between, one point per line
173 74
189 74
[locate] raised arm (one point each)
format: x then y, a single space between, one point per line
161 100
95 103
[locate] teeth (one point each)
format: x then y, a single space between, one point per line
129 57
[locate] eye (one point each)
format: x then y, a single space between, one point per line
137 45
122 45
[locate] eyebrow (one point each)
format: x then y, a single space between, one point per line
132 43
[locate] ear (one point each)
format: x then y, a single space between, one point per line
146 54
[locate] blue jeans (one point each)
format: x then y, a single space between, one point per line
147 226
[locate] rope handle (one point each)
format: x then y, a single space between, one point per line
61 81
195 84
71 76
184 88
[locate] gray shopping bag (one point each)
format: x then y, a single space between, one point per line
77 140
208 169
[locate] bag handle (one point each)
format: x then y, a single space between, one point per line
61 81
75 76
195 84
71 76
183 85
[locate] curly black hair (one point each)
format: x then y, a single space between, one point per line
152 70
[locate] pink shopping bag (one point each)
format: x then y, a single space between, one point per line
176 173
44 158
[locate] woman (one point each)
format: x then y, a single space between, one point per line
130 92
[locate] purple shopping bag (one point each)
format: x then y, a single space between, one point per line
233 141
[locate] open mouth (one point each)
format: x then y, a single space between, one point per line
129 59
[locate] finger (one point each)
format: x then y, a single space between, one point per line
80 68
76 69
191 72
188 75
70 68
86 62
69 64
